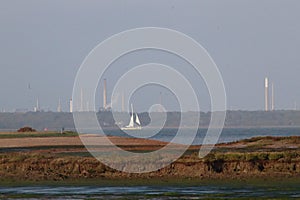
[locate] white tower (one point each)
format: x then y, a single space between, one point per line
71 105
104 94
272 101
266 94
81 100
36 108
59 106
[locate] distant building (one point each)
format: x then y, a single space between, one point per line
71 105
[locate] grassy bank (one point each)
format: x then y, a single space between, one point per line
257 159
36 134
216 166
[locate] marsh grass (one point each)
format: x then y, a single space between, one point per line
268 140
253 156
37 134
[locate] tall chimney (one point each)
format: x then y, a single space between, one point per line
59 106
266 94
81 100
71 105
37 107
104 94
272 101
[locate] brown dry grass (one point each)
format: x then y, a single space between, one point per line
39 141
75 141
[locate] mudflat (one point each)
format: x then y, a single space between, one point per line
73 141
65 158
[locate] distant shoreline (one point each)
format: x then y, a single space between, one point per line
234 119
2 131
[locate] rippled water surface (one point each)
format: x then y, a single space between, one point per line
151 192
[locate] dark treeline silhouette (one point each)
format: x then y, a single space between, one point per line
57 121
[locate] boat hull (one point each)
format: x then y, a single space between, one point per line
131 128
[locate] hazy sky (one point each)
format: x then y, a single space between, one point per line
43 43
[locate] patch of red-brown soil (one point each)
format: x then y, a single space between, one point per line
104 143
268 142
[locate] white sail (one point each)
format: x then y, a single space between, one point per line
131 123
137 120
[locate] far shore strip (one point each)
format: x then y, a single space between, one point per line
76 141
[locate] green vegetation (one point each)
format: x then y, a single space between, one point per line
253 156
72 163
38 134
292 139
26 129
161 181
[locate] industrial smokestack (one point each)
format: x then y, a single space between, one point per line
59 106
272 101
104 94
71 105
37 107
266 94
81 100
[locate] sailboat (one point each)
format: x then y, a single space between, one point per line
134 123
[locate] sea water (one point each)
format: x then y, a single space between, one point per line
152 192
227 134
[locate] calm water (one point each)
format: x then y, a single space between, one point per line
150 192
227 135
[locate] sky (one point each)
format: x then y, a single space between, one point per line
43 44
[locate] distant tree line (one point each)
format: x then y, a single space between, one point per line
57 121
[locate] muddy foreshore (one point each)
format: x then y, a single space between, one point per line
264 158
48 168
